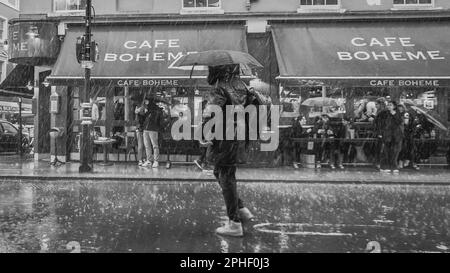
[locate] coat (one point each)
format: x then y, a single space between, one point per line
389 127
153 119
225 152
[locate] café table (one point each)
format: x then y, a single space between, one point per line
105 143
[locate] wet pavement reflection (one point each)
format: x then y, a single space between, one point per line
181 217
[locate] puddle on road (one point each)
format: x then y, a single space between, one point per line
140 217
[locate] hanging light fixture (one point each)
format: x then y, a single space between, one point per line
46 83
30 86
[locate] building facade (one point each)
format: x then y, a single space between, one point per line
290 37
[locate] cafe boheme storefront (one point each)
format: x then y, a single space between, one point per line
137 61
353 63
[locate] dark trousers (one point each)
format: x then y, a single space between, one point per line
203 151
391 151
226 175
379 150
408 151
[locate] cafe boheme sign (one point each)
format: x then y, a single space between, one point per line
407 54
147 55
33 43
404 83
387 49
163 51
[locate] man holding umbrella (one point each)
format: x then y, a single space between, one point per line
227 89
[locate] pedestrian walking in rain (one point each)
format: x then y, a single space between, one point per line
391 133
228 89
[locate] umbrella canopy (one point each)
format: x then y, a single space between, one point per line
219 57
426 113
320 102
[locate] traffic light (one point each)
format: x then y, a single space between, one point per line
81 50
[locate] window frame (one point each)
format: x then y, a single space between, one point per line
17 7
325 7
66 10
414 6
4 59
201 10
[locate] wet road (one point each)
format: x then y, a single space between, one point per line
181 217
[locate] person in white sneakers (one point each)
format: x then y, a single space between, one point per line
141 113
227 90
152 126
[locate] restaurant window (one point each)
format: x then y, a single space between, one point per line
135 5
69 5
201 6
413 3
3 51
312 5
12 3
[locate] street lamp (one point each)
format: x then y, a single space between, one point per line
86 63
20 128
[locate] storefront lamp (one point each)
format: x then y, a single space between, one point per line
30 86
5 45
46 83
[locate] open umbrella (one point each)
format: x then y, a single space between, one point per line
426 113
320 102
219 57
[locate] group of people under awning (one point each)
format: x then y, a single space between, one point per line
394 131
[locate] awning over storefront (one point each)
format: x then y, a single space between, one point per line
145 55
411 54
17 80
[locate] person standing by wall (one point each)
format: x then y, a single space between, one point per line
380 105
407 155
339 147
152 127
141 113
391 133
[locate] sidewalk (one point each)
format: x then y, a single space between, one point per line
31 170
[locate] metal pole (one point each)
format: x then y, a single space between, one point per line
86 141
20 128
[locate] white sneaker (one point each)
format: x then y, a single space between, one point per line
197 162
146 163
155 164
140 163
231 228
245 214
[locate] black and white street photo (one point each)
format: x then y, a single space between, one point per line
237 127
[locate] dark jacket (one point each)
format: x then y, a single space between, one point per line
225 152
389 126
140 120
154 118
